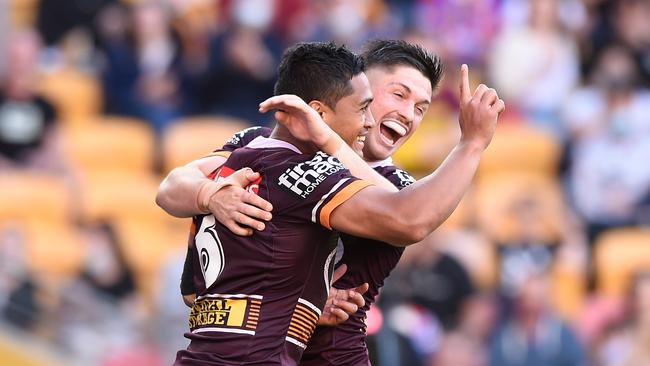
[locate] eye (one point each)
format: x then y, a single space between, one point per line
399 95
420 110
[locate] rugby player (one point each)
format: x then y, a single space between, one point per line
483 105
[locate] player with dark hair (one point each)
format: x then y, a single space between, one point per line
478 118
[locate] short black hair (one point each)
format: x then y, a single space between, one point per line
392 52
318 71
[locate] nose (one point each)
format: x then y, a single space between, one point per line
369 120
407 113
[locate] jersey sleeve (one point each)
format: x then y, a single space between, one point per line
240 139
400 178
312 189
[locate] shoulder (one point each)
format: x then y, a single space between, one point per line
400 178
244 137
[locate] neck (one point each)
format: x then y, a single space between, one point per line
281 133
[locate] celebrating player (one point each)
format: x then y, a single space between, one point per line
411 87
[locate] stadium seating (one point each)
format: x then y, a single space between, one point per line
619 253
31 196
111 144
192 138
521 148
76 96
520 206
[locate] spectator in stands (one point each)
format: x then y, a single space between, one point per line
28 124
608 121
242 64
107 271
536 66
468 343
143 76
629 345
19 303
533 335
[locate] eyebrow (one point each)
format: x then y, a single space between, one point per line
427 101
366 101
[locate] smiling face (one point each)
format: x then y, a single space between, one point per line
351 118
402 97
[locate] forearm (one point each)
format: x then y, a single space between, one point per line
178 192
357 166
438 194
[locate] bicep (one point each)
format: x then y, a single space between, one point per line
370 213
208 164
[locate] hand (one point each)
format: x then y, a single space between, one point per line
238 209
302 121
478 112
341 304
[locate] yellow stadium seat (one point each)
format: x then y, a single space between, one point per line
23 13
114 195
619 253
111 144
520 206
76 96
518 147
31 196
55 251
192 138
147 246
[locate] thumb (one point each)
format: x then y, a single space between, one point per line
465 95
241 177
251 175
339 272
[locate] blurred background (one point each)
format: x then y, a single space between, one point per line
545 262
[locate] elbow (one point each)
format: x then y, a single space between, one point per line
418 227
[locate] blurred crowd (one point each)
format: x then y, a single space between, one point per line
545 262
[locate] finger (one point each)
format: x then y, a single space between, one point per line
362 289
240 177
348 307
252 176
465 95
499 106
356 298
340 315
238 230
339 272
271 103
253 212
243 220
489 97
257 201
478 93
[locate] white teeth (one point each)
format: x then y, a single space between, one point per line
361 138
398 128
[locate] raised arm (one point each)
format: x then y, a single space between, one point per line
408 216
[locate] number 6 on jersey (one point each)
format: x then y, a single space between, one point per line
210 251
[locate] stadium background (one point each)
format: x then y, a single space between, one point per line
546 256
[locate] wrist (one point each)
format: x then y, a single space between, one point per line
332 145
472 145
205 193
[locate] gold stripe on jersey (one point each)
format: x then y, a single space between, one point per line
343 195
303 323
225 313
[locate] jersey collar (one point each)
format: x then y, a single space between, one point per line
261 142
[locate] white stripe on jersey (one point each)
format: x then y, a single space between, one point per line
296 342
326 271
238 331
309 305
231 296
336 186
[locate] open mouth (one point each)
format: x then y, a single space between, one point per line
392 131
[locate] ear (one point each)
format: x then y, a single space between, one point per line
319 107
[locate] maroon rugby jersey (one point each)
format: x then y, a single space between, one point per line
259 297
368 261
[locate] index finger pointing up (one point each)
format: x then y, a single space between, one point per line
465 94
